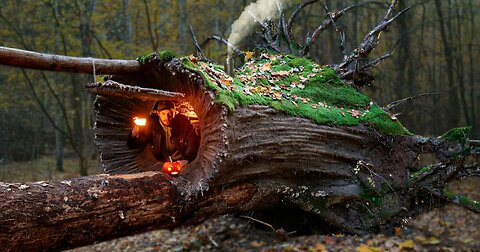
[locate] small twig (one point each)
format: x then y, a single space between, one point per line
220 39
295 13
386 181
372 63
392 105
200 53
258 221
377 61
281 233
212 241
340 33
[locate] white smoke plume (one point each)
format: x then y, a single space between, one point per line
244 25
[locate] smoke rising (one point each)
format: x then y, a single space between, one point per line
243 26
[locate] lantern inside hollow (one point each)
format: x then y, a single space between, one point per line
140 121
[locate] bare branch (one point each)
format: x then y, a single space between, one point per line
52 62
399 102
200 53
372 63
390 10
341 34
267 31
370 41
455 199
220 39
323 26
295 13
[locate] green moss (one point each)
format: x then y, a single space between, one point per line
164 55
297 62
142 59
298 87
417 174
458 134
382 121
230 102
371 196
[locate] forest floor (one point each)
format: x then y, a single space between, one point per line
445 228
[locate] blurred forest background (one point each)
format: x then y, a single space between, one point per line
46 118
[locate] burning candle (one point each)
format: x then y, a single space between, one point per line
140 121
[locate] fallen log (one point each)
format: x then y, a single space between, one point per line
285 133
356 178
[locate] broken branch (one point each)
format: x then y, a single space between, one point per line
399 102
220 39
200 53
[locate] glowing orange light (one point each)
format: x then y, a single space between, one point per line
140 121
172 168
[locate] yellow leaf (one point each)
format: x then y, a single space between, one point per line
408 244
248 56
431 241
365 248
320 247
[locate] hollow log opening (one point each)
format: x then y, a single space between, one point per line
116 110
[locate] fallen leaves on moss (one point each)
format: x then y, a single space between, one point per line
298 87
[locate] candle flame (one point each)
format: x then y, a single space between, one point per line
140 121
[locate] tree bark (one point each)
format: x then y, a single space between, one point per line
58 215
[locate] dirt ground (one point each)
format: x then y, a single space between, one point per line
445 228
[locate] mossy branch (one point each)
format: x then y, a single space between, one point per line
460 200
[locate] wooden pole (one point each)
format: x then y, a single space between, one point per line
52 62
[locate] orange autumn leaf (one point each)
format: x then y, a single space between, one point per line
320 247
266 67
226 82
193 59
